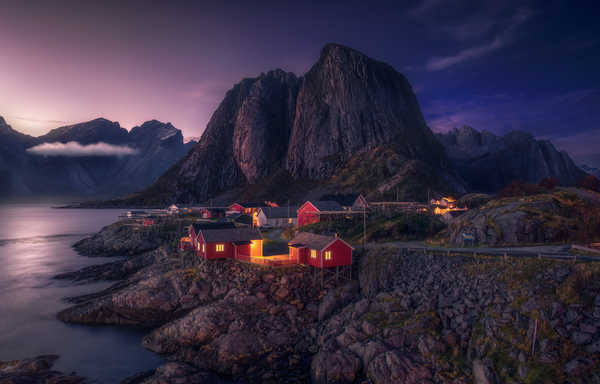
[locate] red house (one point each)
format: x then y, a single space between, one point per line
320 251
310 212
194 229
229 243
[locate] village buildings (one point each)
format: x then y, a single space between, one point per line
312 211
278 217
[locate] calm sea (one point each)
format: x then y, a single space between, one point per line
35 244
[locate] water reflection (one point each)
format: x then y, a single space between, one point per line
35 244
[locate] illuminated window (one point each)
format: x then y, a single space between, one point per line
327 255
313 254
290 221
198 246
220 247
203 247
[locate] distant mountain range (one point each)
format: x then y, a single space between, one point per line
154 147
487 162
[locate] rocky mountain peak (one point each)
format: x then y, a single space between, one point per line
155 130
89 132
2 122
349 103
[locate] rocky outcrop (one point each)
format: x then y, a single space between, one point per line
175 373
35 370
119 239
157 146
489 163
556 217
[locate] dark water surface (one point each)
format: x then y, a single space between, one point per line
35 244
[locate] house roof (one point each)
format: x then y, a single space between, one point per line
212 225
280 212
239 235
345 200
327 205
250 205
312 240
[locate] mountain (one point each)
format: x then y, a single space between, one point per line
350 123
591 170
488 162
157 147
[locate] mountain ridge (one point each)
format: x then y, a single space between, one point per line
489 162
26 174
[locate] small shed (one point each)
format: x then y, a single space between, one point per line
277 216
320 251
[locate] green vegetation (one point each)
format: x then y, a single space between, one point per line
396 227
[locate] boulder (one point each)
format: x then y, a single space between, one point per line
396 367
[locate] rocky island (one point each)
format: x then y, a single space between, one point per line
404 317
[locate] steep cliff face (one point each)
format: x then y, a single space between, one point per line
488 162
245 139
263 123
349 103
298 133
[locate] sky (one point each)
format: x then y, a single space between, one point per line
493 65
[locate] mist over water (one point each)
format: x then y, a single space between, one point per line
35 245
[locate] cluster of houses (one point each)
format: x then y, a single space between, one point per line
240 237
223 240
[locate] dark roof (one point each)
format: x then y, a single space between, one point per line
327 205
311 240
251 205
212 225
345 200
243 219
280 212
231 235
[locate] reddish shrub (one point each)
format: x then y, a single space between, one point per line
590 182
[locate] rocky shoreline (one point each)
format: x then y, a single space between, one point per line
404 318
35 370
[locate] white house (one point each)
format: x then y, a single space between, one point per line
277 216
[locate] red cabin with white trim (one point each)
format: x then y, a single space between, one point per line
320 251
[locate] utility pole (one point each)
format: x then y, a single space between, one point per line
364 226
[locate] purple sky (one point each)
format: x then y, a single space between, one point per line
530 65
